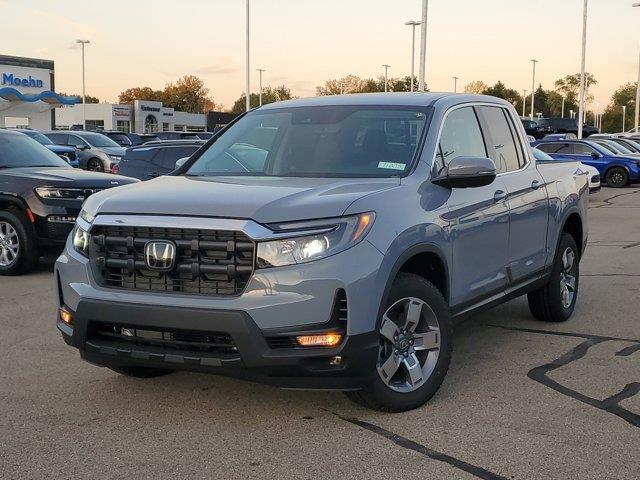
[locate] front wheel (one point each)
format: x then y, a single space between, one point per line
555 301
414 351
18 251
95 165
617 177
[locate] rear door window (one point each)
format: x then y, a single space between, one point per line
505 152
582 149
168 157
461 137
58 138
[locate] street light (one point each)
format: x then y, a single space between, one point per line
582 69
563 99
455 84
524 102
422 83
624 116
84 99
413 24
260 70
596 114
637 122
248 69
386 77
533 86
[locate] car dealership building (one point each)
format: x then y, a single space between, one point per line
27 93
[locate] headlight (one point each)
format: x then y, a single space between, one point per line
60 193
117 158
86 216
81 240
334 236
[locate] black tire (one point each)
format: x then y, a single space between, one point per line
27 252
617 177
95 165
546 303
377 395
141 372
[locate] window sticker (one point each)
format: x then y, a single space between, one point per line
392 165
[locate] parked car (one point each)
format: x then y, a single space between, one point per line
615 147
177 135
616 170
68 154
95 151
40 197
205 135
152 160
532 128
594 174
564 125
334 255
560 136
628 143
126 140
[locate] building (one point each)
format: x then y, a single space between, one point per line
144 116
27 96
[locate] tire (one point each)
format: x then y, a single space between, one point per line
399 393
95 165
617 177
18 248
141 372
548 303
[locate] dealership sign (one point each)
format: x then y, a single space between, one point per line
10 79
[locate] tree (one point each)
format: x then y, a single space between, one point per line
570 86
477 87
501 91
355 84
612 118
88 98
269 95
188 94
140 93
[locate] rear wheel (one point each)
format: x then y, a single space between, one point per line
556 300
415 348
95 165
18 249
617 177
141 372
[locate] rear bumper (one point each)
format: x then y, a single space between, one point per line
255 359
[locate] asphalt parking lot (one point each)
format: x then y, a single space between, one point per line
522 399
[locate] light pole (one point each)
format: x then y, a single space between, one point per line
570 113
596 114
524 103
563 99
260 70
533 86
422 83
637 122
386 77
248 67
84 99
413 24
582 69
624 116
455 84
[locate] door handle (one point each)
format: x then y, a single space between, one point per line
154 174
499 195
535 184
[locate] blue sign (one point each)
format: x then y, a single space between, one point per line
9 79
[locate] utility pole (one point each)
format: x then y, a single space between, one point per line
413 25
248 67
583 85
422 83
386 77
533 87
637 118
84 95
260 70
524 103
455 84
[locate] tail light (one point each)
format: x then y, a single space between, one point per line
115 169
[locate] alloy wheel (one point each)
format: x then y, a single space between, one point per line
567 278
9 244
409 345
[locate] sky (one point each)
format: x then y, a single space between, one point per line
302 43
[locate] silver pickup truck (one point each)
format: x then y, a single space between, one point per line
326 243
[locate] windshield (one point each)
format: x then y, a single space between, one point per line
621 147
607 148
22 151
327 141
39 137
98 140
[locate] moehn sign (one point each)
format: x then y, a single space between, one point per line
11 79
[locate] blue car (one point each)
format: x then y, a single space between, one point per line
68 154
617 170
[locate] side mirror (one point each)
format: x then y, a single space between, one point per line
181 161
81 147
595 155
467 172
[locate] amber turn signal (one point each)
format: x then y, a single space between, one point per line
65 315
321 340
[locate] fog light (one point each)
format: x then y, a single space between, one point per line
65 315
322 340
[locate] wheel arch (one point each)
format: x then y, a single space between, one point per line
573 225
10 200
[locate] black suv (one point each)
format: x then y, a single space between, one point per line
155 158
564 125
40 198
532 128
129 139
177 135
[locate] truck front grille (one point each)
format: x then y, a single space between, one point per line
208 262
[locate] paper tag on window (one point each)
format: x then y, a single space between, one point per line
391 165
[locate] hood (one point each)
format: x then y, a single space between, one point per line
67 176
60 148
119 151
262 199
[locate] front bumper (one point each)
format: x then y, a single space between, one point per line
254 359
